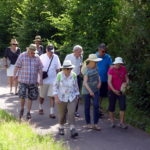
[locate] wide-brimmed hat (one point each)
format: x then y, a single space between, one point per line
93 57
32 47
67 64
37 38
13 41
50 48
118 60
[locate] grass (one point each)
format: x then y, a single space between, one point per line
16 136
133 116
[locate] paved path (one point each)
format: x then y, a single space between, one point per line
107 139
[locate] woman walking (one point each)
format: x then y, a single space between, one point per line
10 58
66 94
117 80
90 90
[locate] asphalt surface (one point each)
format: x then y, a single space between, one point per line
106 139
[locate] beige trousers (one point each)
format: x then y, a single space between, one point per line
66 109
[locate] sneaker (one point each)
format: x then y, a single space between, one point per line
52 116
74 133
21 113
77 114
96 127
112 125
28 116
16 93
61 131
88 126
123 126
41 112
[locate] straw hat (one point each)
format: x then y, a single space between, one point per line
67 64
118 60
37 38
93 57
13 41
32 47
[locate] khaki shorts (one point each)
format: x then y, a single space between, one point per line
46 90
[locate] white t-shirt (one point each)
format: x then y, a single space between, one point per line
77 62
52 72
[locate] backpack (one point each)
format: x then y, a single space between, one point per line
59 76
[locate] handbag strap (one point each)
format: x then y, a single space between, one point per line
50 63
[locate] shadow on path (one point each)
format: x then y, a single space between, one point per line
107 139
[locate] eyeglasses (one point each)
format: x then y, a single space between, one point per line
32 53
14 44
103 51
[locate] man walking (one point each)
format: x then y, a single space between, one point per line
27 68
51 65
103 67
76 59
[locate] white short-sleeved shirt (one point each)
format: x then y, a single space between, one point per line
77 62
55 64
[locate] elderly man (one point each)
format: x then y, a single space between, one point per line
103 67
27 68
51 65
76 59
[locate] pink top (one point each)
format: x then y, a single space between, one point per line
118 76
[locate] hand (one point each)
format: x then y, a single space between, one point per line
15 78
99 85
117 92
57 100
41 82
6 66
92 94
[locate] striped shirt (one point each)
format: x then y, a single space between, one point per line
29 68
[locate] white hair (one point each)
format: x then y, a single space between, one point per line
76 47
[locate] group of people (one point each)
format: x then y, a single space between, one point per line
41 75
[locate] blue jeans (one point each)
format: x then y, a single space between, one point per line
87 103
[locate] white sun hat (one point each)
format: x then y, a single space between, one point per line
93 57
118 60
67 64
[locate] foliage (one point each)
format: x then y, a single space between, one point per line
129 38
122 24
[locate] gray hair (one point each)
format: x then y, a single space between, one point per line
76 47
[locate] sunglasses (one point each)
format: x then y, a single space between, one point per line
68 68
14 44
103 51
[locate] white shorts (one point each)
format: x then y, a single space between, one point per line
10 71
46 90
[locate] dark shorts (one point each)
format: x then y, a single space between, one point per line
112 101
104 89
29 91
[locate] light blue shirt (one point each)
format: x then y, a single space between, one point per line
103 66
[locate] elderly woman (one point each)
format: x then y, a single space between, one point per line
66 94
117 78
90 90
10 58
